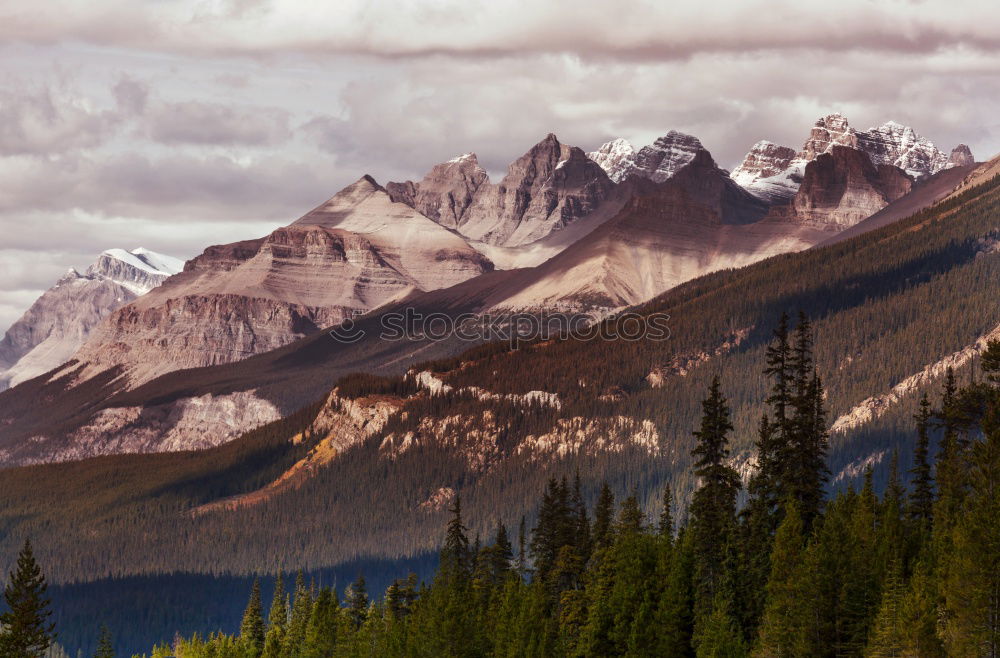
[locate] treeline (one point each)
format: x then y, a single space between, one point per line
791 573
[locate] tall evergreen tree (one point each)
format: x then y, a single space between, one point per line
252 628
922 497
603 516
26 631
972 581
713 508
356 599
455 555
666 526
105 647
299 619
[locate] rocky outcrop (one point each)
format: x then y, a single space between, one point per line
615 158
548 188
898 145
61 320
961 156
894 144
768 173
664 157
357 251
446 192
829 131
694 223
842 187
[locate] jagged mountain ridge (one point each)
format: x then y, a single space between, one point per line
64 316
774 173
356 252
616 263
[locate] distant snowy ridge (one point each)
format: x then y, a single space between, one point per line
62 318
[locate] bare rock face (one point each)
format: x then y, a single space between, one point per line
61 320
768 173
961 156
829 131
842 187
615 158
889 144
545 190
898 145
357 251
664 157
446 192
696 222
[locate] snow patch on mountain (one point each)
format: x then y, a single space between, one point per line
615 158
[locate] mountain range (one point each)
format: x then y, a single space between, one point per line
562 231
167 417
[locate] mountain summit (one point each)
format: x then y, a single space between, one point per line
62 319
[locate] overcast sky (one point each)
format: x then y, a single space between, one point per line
176 124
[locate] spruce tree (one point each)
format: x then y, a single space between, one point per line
713 507
631 519
922 497
274 640
252 628
356 599
666 526
105 648
301 609
972 581
455 555
26 630
603 516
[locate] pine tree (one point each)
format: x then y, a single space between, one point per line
26 630
666 526
972 582
781 633
274 640
713 508
105 648
356 599
922 497
301 610
805 444
321 632
603 516
455 555
582 539
278 615
630 518
252 629
888 639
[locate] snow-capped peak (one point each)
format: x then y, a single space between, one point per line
614 158
462 158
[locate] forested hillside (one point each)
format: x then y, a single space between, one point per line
792 573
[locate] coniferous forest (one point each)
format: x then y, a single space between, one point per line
770 565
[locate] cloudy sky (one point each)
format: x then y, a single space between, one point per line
175 124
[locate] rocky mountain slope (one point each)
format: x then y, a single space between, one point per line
841 187
666 234
774 173
493 423
61 320
544 191
357 251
